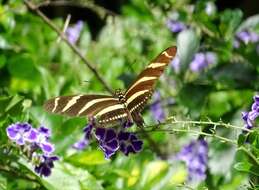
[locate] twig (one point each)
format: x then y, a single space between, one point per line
89 4
193 132
171 120
35 9
65 26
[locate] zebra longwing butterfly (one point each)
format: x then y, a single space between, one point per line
123 105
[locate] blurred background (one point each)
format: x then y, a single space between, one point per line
194 117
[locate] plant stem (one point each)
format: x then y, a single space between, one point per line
193 132
35 9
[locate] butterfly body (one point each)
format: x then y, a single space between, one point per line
122 105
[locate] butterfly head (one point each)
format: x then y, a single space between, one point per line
121 95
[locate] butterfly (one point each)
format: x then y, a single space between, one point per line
126 105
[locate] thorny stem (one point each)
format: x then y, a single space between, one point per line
35 9
195 133
172 120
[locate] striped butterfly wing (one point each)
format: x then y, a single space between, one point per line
105 108
142 88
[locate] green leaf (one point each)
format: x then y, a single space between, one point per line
71 129
14 101
241 139
11 105
86 158
249 23
3 183
4 101
22 66
247 167
2 60
154 173
187 44
67 177
252 136
193 97
230 20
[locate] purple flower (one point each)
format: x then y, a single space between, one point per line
127 124
45 131
246 36
44 168
250 117
73 32
175 26
129 143
107 140
243 36
81 144
32 135
156 108
254 37
88 130
20 133
43 140
202 60
23 132
175 64
34 141
248 122
195 156
111 140
254 113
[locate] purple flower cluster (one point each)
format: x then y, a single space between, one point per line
175 26
195 156
73 32
202 60
250 117
246 37
110 140
175 64
33 141
156 108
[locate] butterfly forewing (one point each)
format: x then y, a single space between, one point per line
142 88
107 109
81 105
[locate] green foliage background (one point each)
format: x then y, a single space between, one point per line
35 66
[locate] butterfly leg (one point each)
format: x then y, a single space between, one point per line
137 118
129 117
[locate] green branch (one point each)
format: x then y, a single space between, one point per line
164 127
196 133
61 34
173 120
